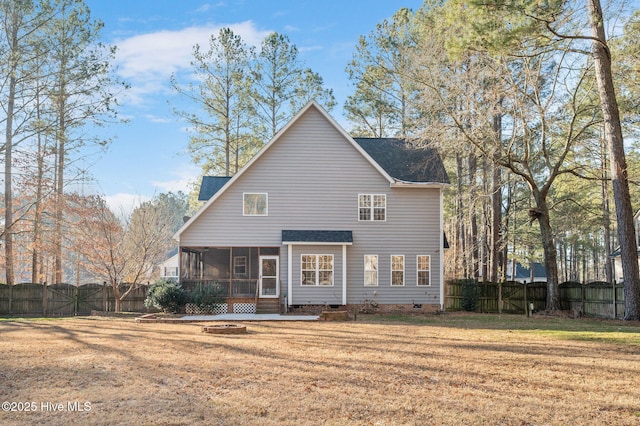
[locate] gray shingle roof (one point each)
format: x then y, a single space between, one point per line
399 158
404 161
291 236
210 185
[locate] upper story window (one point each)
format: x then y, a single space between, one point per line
372 207
255 204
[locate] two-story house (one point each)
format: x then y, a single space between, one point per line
321 218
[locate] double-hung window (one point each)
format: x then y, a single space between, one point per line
397 270
424 270
371 270
372 207
317 269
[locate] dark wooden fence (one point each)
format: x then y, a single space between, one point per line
66 299
597 299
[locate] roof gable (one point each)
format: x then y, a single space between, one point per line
217 186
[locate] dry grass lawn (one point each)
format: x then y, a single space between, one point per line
447 369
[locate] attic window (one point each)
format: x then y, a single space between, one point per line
255 204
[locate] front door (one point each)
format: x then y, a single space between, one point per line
269 276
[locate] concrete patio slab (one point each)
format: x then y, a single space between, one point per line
249 317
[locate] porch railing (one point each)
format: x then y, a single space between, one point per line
226 288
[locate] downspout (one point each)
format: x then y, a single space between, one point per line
289 273
344 274
441 251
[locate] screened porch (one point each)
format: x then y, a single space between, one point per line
233 271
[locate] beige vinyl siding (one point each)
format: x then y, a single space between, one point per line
412 228
316 295
313 176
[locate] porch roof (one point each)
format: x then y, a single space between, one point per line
317 237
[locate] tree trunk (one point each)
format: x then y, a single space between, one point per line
620 183
8 191
116 296
473 222
496 200
541 214
460 231
35 255
58 277
606 219
486 230
8 149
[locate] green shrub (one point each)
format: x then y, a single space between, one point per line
207 296
470 295
168 296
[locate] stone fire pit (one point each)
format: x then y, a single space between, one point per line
224 329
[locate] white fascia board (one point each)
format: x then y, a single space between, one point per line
318 243
404 184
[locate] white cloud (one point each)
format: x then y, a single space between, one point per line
291 29
155 119
184 176
148 60
122 204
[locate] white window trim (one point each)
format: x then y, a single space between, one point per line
266 208
317 270
377 270
394 270
372 208
422 270
172 268
244 265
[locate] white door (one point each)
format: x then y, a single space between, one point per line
269 276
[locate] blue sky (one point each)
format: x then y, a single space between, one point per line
155 39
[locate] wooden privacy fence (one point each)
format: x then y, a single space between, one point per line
66 299
598 299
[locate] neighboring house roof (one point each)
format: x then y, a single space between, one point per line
291 236
404 161
618 252
210 185
539 271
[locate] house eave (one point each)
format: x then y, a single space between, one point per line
316 243
405 184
